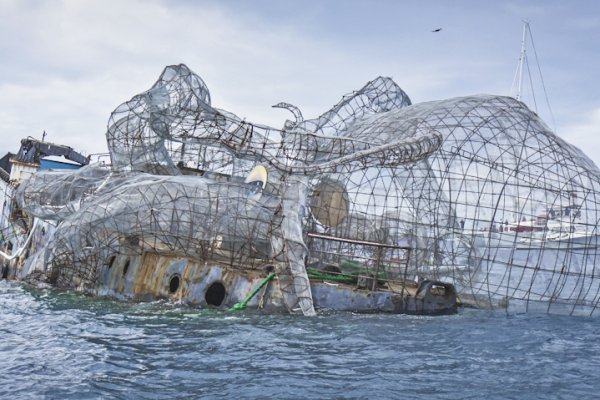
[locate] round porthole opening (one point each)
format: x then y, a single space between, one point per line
215 294
174 283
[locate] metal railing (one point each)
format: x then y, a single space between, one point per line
375 253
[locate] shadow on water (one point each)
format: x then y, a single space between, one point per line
65 345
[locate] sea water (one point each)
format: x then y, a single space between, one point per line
59 345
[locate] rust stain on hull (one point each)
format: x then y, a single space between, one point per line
154 276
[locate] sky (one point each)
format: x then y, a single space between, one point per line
66 65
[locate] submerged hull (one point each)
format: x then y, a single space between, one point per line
205 284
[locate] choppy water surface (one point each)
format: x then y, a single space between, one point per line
61 345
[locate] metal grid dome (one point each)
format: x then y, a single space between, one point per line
473 190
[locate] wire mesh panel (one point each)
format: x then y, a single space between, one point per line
476 191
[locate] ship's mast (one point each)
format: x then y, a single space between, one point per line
523 69
522 59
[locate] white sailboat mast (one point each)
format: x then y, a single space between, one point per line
523 69
518 79
522 59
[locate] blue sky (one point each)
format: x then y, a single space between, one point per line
65 65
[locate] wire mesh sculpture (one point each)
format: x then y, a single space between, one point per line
474 190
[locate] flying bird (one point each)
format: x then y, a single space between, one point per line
436 30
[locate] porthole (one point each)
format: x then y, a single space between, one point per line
174 283
215 294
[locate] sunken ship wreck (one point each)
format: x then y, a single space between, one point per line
377 205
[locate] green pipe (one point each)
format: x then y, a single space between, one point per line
243 304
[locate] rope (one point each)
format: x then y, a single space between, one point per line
343 277
537 61
19 251
242 305
315 274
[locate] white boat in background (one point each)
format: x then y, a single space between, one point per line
555 228
562 234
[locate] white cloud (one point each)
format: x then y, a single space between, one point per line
66 65
76 61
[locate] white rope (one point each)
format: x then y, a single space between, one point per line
19 251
